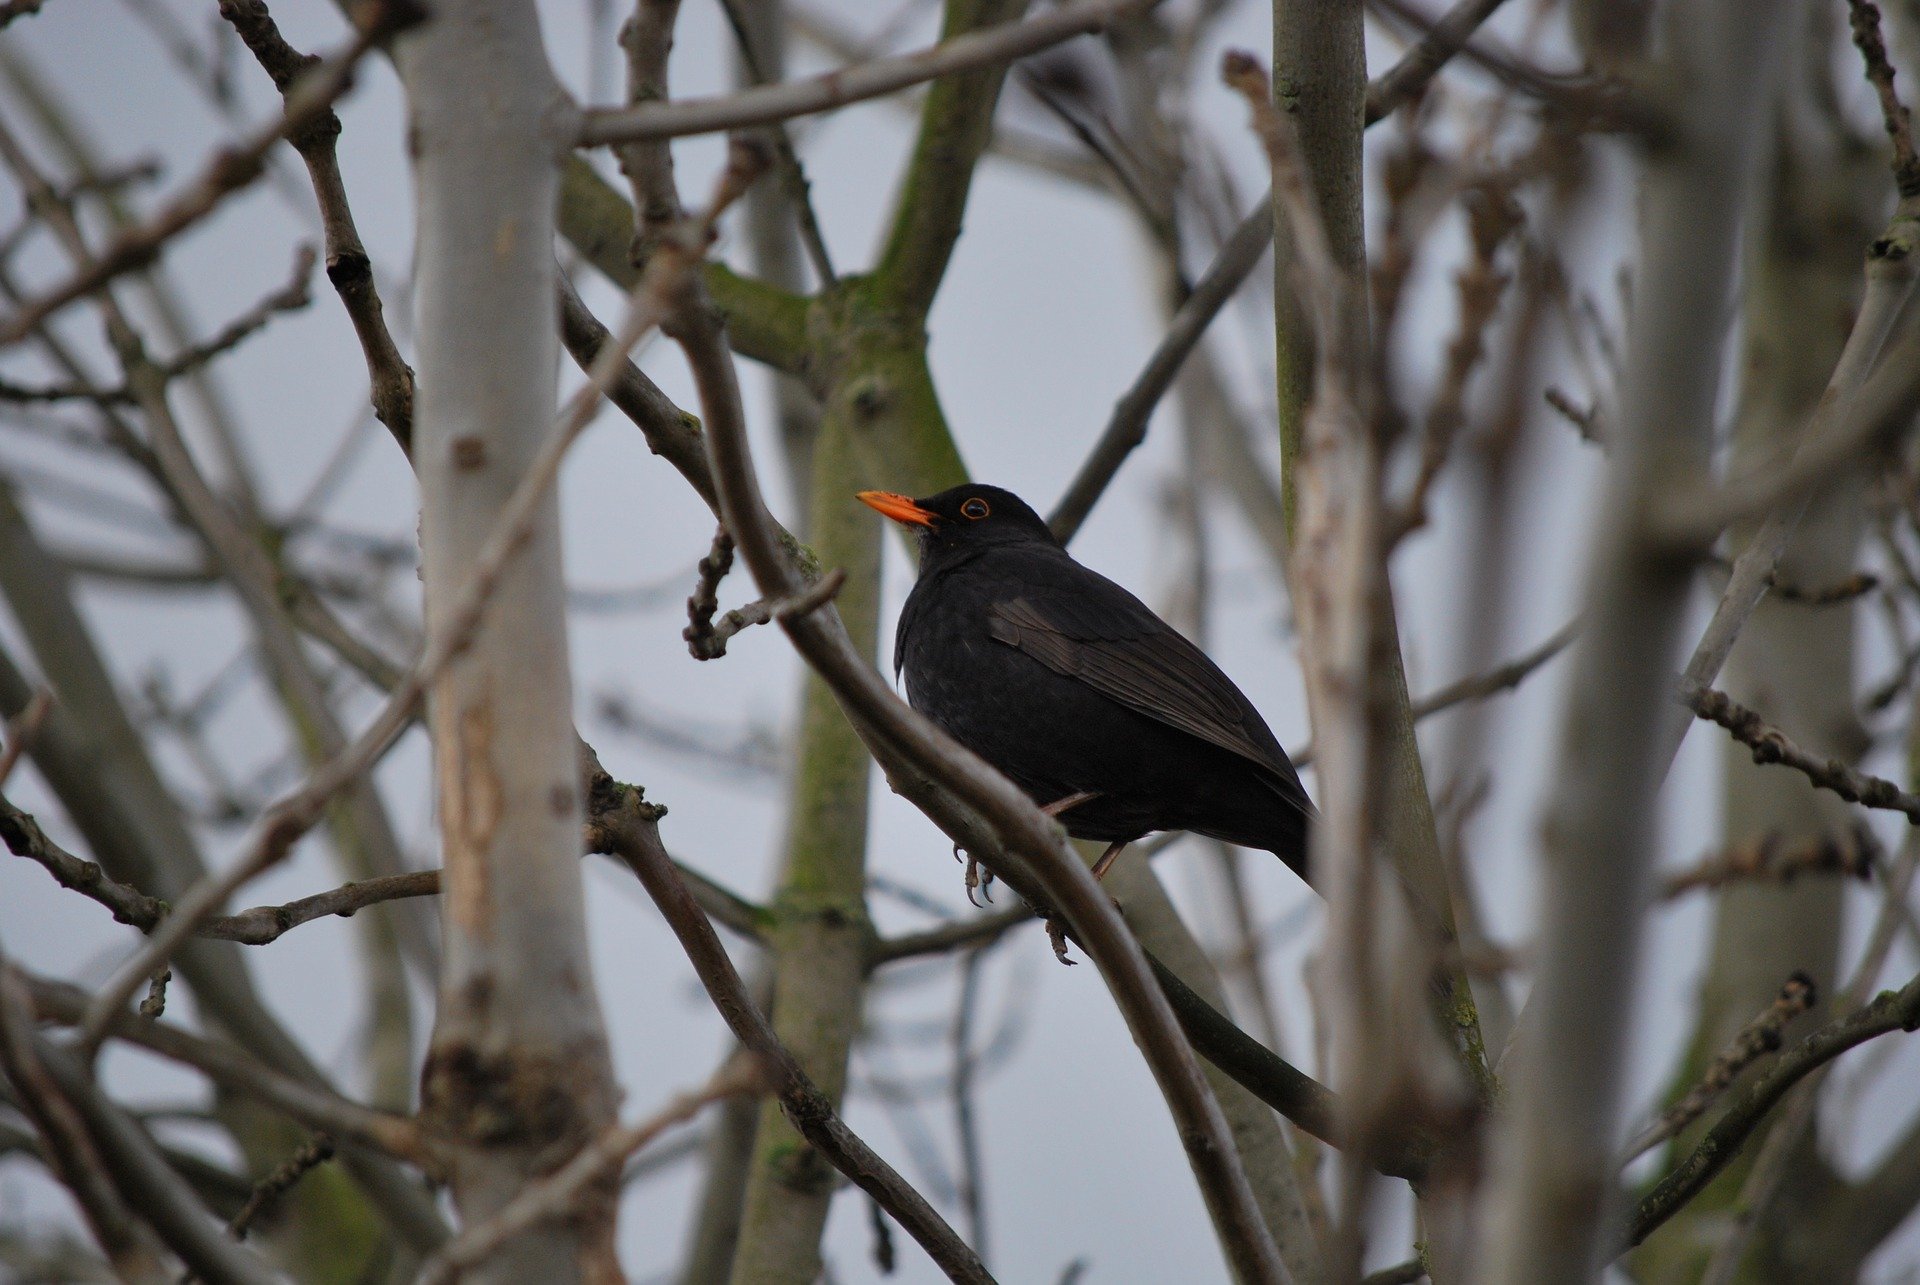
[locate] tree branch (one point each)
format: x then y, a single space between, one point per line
230 170
622 824
1127 427
992 47
349 267
1891 1011
1771 745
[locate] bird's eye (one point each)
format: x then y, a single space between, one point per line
975 509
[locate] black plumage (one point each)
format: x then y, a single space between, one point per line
1070 685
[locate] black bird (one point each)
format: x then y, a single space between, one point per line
1068 684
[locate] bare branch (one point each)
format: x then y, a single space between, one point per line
1771 745
713 644
317 1151
622 824
1500 678
69 1151
25 838
145 1181
1863 17
238 1071
651 121
705 600
291 297
1764 860
1409 77
1127 427
230 170
1756 1039
348 266
1891 1011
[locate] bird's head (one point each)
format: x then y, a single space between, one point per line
963 518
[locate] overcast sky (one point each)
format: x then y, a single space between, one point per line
1044 319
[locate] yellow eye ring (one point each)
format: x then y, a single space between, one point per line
975 508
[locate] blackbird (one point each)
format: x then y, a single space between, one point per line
1069 685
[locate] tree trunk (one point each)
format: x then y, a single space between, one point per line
518 1069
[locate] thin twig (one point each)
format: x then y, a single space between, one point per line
653 121
1756 1039
155 1004
1771 745
24 838
1863 17
291 297
1889 1011
231 169
349 267
972 1194
1493 217
670 432
1127 427
1499 679
962 934
705 601
1409 77
262 925
239 1071
1763 860
317 1151
792 175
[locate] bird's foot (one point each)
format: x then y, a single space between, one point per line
1057 934
978 876
1107 858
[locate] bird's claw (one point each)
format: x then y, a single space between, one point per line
1057 934
978 876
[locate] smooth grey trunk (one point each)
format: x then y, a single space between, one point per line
1549 1217
518 1067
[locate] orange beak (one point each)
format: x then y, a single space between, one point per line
897 507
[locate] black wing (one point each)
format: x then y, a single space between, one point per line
1109 640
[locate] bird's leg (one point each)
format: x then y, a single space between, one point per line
1107 858
1056 928
1073 800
